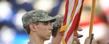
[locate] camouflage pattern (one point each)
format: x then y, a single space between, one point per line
36 15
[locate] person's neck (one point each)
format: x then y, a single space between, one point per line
34 39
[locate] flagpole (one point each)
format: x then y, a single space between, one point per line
92 20
92 17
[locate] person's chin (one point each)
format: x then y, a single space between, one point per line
48 37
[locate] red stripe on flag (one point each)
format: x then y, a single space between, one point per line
66 12
74 9
74 26
75 23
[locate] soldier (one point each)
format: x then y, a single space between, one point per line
38 25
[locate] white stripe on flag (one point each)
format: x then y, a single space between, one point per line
71 4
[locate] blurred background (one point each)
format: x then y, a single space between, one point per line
11 12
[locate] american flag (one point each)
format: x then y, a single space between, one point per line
72 15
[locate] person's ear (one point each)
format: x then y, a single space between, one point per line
33 27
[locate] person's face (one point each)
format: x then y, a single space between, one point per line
44 30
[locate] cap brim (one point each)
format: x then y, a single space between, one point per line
51 19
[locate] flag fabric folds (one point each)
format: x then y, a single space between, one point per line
72 15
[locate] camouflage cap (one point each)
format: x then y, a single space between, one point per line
36 15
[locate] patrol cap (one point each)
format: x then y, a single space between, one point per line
35 16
